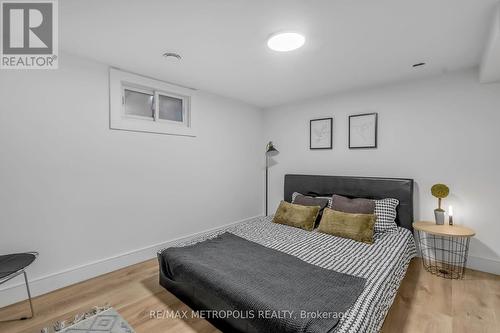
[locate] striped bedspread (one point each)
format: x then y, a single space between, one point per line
383 263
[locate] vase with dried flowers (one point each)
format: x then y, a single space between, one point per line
440 191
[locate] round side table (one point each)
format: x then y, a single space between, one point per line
444 248
12 265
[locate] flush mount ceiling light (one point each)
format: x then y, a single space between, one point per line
285 41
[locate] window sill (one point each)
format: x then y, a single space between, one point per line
124 124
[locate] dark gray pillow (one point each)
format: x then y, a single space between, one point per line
353 206
305 200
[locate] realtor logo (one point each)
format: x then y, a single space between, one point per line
29 34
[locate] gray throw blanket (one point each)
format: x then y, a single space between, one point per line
274 291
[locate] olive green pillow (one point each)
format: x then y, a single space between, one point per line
354 226
296 215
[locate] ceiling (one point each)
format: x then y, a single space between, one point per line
349 43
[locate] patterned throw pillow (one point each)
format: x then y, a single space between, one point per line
385 210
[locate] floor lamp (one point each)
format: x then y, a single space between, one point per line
270 151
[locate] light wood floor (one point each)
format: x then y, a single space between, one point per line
425 303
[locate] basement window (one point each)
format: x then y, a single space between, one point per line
142 104
138 103
170 108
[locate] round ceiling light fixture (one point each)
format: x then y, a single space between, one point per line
286 41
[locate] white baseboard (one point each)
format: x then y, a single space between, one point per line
14 293
484 264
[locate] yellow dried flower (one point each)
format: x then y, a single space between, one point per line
440 191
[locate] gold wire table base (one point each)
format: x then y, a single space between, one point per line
444 256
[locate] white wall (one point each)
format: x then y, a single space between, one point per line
444 129
83 195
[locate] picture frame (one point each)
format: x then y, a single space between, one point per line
363 131
321 133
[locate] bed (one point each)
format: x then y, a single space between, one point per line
382 264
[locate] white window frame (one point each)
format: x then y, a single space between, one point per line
141 90
120 80
185 108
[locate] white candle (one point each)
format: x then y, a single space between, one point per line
450 210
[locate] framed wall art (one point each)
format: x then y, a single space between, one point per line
363 130
320 133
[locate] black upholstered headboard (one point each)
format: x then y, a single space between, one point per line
359 187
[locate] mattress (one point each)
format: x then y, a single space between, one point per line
383 264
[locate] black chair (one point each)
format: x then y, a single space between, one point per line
12 265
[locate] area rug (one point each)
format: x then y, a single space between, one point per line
98 320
